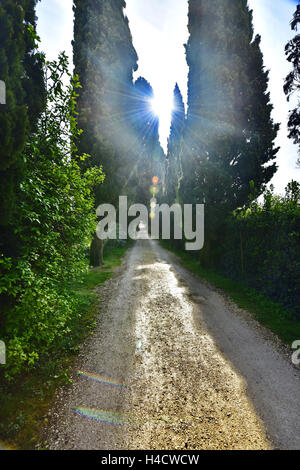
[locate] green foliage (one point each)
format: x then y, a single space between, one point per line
229 135
104 59
25 402
261 246
53 228
21 70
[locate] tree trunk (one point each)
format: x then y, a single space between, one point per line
96 252
242 254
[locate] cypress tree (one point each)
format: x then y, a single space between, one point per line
230 134
104 59
113 111
229 137
21 71
173 162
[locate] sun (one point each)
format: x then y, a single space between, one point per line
161 106
156 106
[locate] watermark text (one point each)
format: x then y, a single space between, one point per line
164 222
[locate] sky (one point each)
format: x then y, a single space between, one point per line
159 31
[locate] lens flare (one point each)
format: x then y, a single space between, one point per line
109 417
101 379
154 190
126 419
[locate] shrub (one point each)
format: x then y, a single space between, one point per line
262 247
55 221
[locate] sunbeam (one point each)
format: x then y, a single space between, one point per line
159 31
162 107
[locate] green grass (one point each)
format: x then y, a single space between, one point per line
24 403
270 314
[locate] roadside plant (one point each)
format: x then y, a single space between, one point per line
55 221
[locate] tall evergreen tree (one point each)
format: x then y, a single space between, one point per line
229 137
111 109
229 118
292 83
21 71
173 162
119 129
104 59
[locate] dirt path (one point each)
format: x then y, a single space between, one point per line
173 366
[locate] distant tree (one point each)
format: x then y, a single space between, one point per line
173 162
21 70
229 136
292 82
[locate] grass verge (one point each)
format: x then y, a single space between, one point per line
270 314
25 402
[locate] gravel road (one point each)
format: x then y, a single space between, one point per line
174 365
